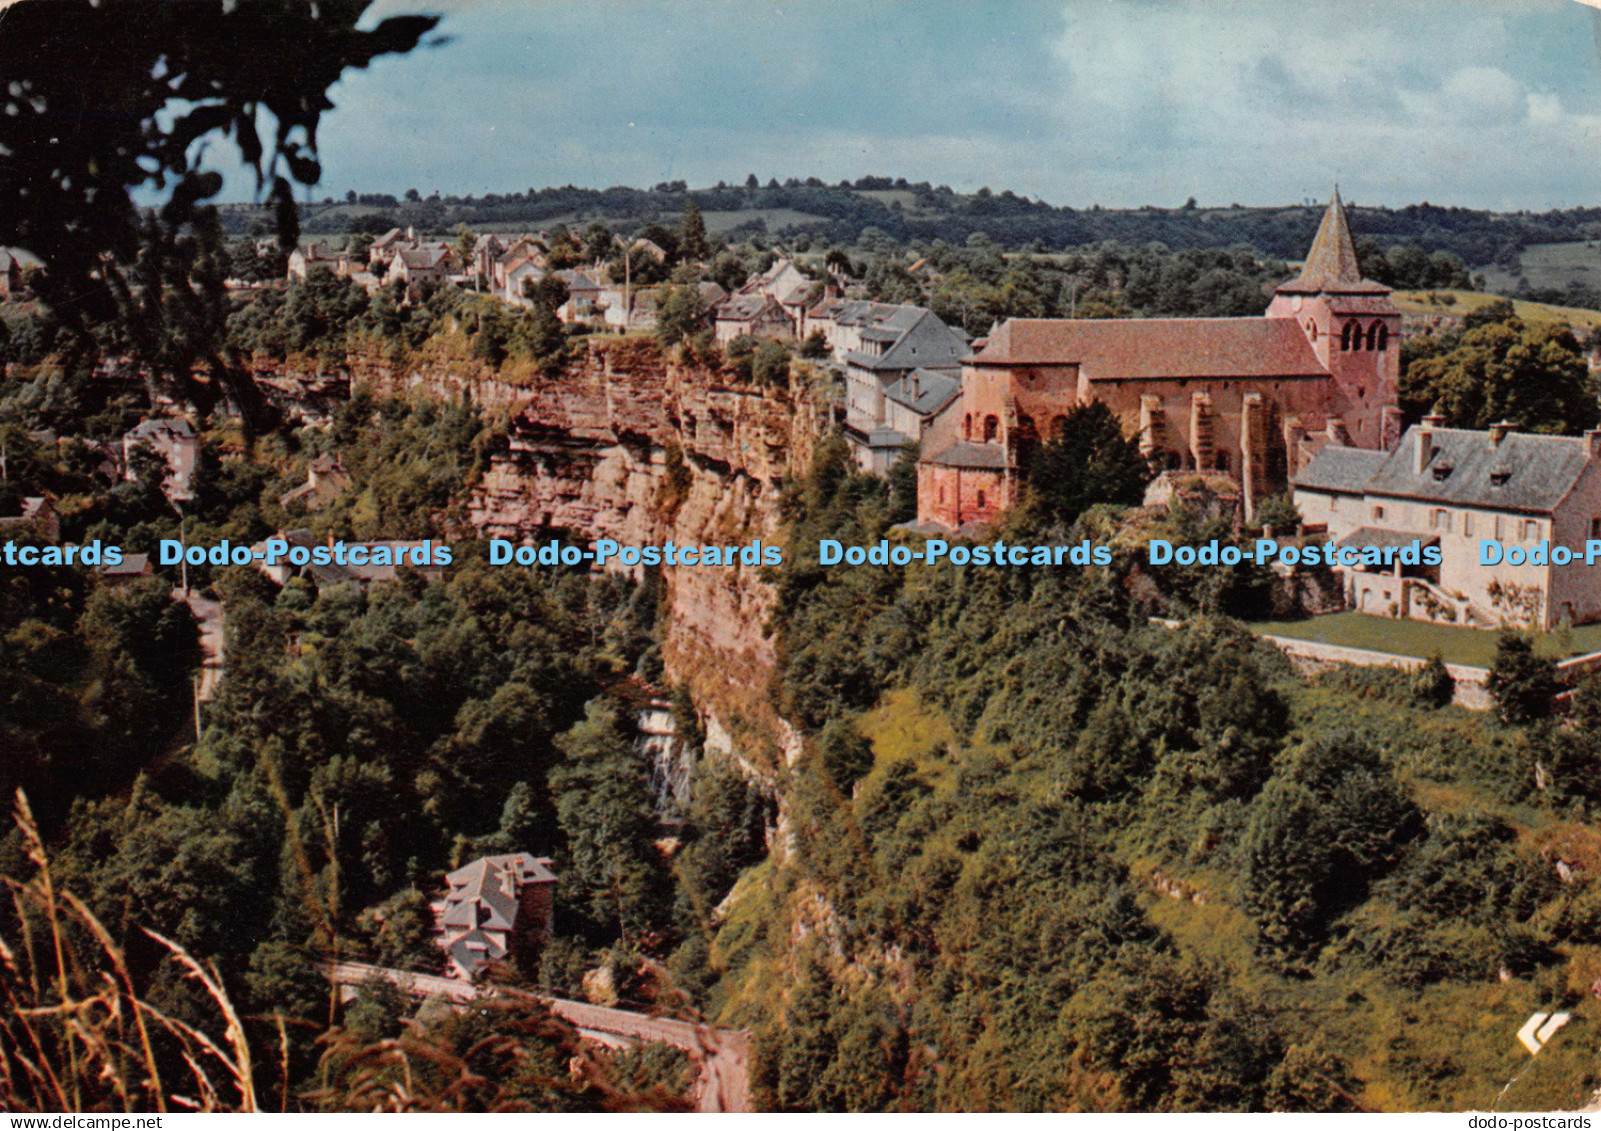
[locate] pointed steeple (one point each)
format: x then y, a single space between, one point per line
1331 264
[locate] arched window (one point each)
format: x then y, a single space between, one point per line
1311 330
1384 337
1345 336
942 496
1373 336
981 500
992 429
967 427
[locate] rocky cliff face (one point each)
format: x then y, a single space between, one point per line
629 446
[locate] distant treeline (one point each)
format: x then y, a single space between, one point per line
920 212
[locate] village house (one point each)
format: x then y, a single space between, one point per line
303 260
1451 489
583 293
650 248
1254 398
788 286
844 320
710 294
429 265
886 354
35 512
639 303
487 251
174 440
132 567
326 479
910 404
495 908
751 315
382 251
520 251
517 278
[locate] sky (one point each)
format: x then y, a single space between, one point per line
1479 103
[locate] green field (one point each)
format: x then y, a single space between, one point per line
1461 302
1471 646
1551 265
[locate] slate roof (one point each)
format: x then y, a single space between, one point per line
860 312
423 258
963 454
483 898
922 341
1124 349
1535 472
1381 537
577 281
131 565
160 427
744 307
928 393
1338 468
884 437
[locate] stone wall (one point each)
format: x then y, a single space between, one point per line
1308 656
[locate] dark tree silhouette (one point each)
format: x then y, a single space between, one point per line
100 102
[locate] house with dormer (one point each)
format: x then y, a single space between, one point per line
1451 491
496 909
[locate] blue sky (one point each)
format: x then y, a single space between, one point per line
1481 103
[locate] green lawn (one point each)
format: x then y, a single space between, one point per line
1472 646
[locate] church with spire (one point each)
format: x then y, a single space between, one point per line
1251 398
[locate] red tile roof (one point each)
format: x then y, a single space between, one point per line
1124 349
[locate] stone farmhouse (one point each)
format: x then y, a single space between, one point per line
495 908
1254 398
1453 488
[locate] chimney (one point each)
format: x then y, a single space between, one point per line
1498 432
1424 436
1336 431
1592 443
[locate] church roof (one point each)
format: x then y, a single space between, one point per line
1122 349
1332 265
